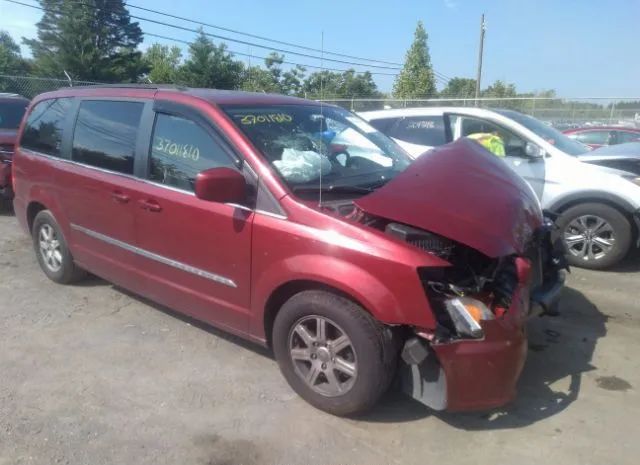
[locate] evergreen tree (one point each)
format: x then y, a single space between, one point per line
210 65
92 40
11 61
163 63
416 80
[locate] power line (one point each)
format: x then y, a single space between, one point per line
255 36
230 51
229 39
438 76
249 55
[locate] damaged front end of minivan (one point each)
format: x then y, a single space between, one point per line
502 269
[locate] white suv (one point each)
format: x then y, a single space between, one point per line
598 208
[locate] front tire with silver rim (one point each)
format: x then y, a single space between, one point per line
332 352
52 251
596 235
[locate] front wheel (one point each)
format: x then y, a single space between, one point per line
332 352
596 235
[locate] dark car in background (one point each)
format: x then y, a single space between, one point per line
12 108
624 157
599 136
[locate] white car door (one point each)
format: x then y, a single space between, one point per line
531 168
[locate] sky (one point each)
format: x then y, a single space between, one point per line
580 48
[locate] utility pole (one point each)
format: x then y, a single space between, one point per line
480 52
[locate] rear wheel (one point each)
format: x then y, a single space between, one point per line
597 236
332 352
52 251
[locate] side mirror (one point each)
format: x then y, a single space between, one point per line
223 185
533 151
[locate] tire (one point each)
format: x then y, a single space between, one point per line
587 228
371 352
52 251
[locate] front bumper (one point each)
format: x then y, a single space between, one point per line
467 374
470 374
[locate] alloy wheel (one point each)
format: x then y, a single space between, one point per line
323 355
50 248
589 237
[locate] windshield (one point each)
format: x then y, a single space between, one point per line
313 147
551 135
11 113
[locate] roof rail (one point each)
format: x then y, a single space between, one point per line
129 86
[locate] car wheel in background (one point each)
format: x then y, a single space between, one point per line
332 352
596 235
52 251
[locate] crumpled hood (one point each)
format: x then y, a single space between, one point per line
464 193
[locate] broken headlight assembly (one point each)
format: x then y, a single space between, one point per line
466 314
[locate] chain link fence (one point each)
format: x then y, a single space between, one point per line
559 112
30 86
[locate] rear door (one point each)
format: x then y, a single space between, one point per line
531 169
96 187
196 255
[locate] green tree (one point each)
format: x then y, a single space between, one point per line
416 80
11 61
258 79
164 63
458 87
92 40
293 81
210 65
348 84
500 89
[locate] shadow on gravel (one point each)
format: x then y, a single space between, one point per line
631 264
560 350
244 343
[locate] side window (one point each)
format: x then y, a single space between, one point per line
105 134
627 136
593 137
180 149
421 130
512 144
383 124
44 126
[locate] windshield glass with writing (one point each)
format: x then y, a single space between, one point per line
309 145
551 135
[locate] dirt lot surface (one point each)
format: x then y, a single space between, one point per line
92 375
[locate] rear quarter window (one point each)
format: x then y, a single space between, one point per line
44 126
420 130
105 134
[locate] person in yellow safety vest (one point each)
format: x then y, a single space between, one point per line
490 141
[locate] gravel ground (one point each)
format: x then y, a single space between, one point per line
90 374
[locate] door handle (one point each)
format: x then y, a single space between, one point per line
150 205
118 196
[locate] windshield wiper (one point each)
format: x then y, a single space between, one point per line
334 188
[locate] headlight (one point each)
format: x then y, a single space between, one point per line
466 314
632 178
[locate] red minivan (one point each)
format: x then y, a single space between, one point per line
299 226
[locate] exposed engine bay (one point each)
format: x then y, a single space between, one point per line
472 276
